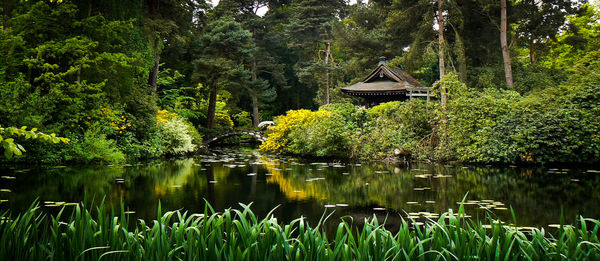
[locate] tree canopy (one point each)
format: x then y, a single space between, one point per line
102 70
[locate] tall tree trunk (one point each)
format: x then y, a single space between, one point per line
5 12
155 44
532 57
443 96
255 114
79 73
153 79
212 104
504 44
327 54
462 58
440 20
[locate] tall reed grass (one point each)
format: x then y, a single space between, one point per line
96 233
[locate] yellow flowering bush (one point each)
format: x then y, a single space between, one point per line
223 120
165 116
278 138
111 121
324 133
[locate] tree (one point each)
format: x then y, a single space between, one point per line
539 21
165 21
309 31
504 44
578 45
265 70
440 23
363 37
226 46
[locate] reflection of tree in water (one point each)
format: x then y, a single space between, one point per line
290 189
210 178
536 197
69 184
140 186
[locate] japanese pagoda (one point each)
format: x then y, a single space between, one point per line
387 83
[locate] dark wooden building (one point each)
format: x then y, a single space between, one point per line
387 83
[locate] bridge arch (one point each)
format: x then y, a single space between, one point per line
257 135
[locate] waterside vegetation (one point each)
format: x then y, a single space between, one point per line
237 234
558 125
130 80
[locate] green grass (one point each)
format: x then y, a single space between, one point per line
96 233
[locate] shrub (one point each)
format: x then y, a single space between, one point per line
391 126
340 130
177 136
560 124
165 116
223 120
374 142
346 110
152 147
94 147
242 119
322 133
278 139
303 132
476 126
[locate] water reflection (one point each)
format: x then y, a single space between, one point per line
306 188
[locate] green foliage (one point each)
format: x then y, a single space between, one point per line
549 125
223 120
475 126
177 139
63 62
534 77
553 124
11 148
238 234
341 130
580 40
60 69
242 119
344 109
394 127
454 87
94 147
322 133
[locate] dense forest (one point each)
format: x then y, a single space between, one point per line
131 79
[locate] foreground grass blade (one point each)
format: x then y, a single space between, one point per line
238 234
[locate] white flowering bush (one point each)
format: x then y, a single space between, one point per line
177 136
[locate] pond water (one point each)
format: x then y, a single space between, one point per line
307 188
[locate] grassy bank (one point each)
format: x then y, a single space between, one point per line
237 234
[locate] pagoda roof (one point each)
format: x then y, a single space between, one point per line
384 80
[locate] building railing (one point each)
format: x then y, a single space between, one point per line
419 92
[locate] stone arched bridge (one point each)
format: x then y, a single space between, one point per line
252 133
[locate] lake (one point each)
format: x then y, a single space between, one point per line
308 188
